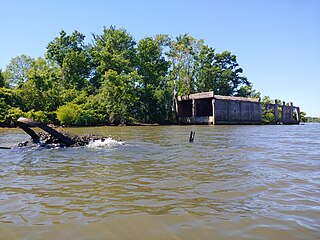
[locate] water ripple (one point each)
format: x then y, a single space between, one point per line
246 182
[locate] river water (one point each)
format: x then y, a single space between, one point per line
232 182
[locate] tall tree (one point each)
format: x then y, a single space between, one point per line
113 50
229 75
72 55
206 71
42 90
153 69
119 95
183 54
17 69
221 73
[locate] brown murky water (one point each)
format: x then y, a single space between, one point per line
232 182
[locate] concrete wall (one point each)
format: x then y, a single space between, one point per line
197 120
206 108
291 115
236 112
285 114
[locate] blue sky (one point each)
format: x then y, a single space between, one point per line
277 42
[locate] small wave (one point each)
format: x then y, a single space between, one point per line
105 143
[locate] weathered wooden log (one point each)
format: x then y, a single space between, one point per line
26 123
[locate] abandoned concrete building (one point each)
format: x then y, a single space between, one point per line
208 108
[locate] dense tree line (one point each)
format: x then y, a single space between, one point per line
114 79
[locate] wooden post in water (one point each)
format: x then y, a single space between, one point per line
191 138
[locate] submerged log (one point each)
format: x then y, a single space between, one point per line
35 137
26 123
49 141
50 138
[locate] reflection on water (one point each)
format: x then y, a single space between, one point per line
234 182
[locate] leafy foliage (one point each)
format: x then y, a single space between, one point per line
154 92
119 96
68 114
267 113
17 69
115 80
72 56
113 50
2 79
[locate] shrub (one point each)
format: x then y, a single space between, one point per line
268 118
68 114
86 117
40 116
12 116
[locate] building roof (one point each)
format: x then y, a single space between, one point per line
231 98
211 94
196 96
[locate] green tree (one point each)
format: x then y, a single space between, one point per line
114 80
113 50
183 54
248 91
120 97
17 69
206 71
42 90
72 55
229 74
154 93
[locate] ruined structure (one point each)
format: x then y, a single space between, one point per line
285 114
208 108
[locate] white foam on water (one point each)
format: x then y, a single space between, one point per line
105 143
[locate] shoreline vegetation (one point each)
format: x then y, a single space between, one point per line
115 80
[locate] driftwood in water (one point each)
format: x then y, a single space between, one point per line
26 123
